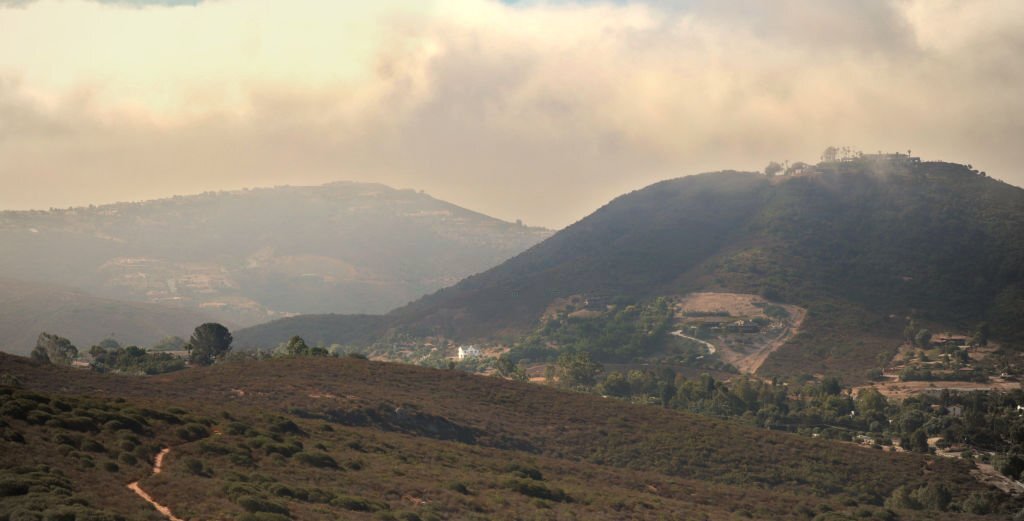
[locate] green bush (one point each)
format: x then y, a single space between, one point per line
537 490
192 432
357 504
461 488
323 461
263 516
258 504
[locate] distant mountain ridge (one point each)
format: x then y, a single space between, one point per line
861 244
250 255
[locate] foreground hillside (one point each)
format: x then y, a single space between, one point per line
246 256
352 439
861 245
26 309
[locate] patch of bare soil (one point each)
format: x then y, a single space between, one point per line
749 352
900 390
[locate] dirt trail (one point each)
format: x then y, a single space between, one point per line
751 363
134 487
746 360
711 347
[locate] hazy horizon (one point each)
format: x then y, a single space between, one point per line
540 111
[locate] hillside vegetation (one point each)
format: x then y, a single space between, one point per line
247 256
353 439
860 244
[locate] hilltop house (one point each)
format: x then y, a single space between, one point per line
743 326
468 352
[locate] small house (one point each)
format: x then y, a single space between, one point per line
468 352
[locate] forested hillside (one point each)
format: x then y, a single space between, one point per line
861 244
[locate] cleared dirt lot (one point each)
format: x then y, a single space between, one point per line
901 390
749 355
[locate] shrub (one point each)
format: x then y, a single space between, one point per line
323 461
194 467
537 490
357 504
13 487
236 429
258 504
284 449
461 488
192 432
93 446
284 426
263 516
526 472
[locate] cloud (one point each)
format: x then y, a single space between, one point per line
539 110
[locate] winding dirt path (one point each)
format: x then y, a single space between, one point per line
751 363
711 347
134 487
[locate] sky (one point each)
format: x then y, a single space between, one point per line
533 110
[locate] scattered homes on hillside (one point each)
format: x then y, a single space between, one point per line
468 352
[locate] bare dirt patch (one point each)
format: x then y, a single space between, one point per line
746 352
901 390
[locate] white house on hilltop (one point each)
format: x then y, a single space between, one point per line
468 352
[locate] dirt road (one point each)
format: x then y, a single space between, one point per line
711 347
157 467
752 362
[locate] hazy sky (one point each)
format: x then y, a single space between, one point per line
534 110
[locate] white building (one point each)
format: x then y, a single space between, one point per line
468 352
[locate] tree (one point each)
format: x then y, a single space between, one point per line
296 346
981 335
615 384
829 155
871 403
910 331
109 343
917 441
934 496
772 169
210 341
54 349
577 369
171 343
505 366
923 338
830 386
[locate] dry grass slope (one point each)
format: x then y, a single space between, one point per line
353 439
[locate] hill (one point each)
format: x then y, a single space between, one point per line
353 439
246 256
26 309
860 244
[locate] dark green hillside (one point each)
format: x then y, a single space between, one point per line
352 439
26 309
856 243
319 330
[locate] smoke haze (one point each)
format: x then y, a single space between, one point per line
535 110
